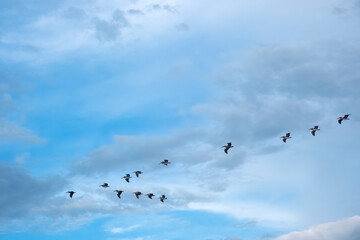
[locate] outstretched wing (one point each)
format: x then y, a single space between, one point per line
284 140
288 135
226 150
339 121
316 127
313 132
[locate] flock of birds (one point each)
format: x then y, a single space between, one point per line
315 128
127 179
166 162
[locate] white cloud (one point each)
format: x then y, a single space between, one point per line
347 229
121 230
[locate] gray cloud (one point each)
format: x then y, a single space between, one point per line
348 229
21 194
274 89
165 7
134 12
110 30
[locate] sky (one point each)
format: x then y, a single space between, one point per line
92 90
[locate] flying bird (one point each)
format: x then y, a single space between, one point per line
105 185
227 147
150 195
119 192
137 194
162 198
71 193
287 136
137 173
127 177
314 129
345 117
165 162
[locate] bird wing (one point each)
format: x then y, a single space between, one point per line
316 127
288 135
118 194
127 180
284 140
71 194
346 115
226 150
313 132
339 121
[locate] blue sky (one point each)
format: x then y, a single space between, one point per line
92 90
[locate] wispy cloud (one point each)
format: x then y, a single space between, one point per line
121 230
346 229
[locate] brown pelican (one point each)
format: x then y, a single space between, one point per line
71 193
314 129
119 192
162 198
287 136
105 185
227 147
127 177
345 117
137 173
165 162
137 194
150 195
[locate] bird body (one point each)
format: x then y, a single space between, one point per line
162 198
227 147
345 117
127 177
71 193
137 194
314 129
105 185
119 192
137 173
150 195
165 162
287 136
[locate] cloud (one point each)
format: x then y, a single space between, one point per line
22 194
121 230
10 131
347 229
135 12
110 30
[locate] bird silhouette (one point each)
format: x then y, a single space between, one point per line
287 136
137 173
105 185
71 193
127 177
137 194
162 198
119 192
150 195
314 129
345 117
227 147
165 162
